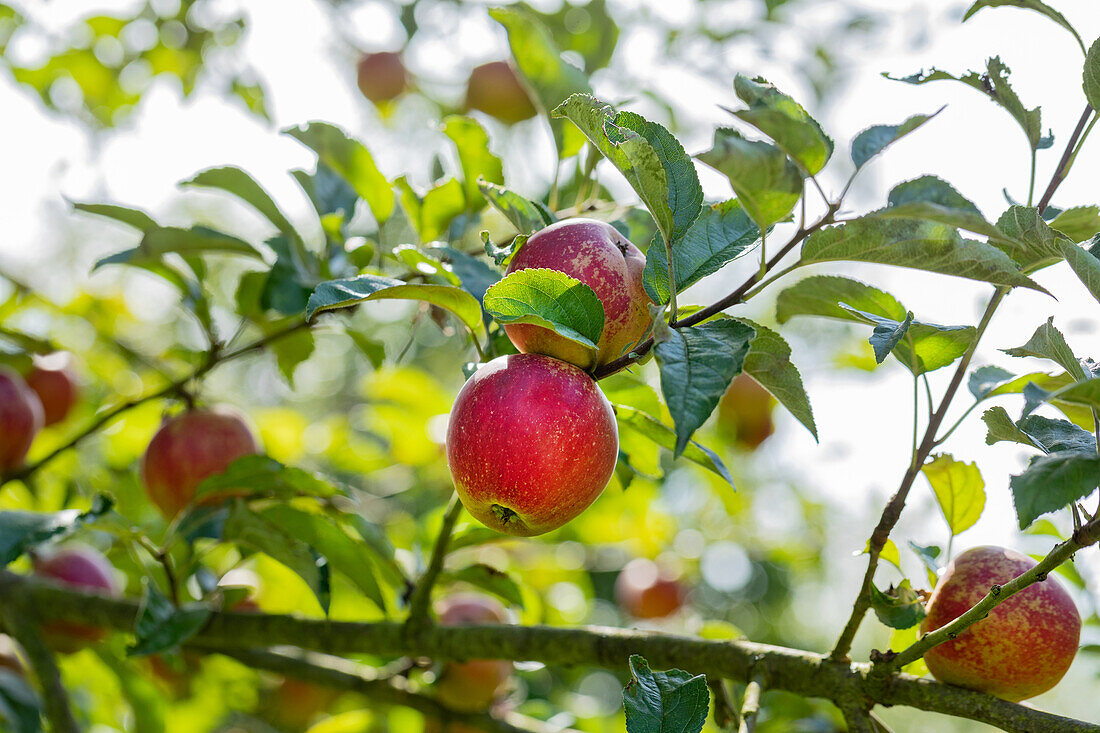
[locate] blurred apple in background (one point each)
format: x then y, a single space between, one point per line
495 89
643 592
53 380
745 412
81 567
471 686
382 76
20 419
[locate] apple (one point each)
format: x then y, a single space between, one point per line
745 412
645 593
471 686
531 443
188 449
595 253
382 76
495 89
295 704
52 379
81 567
1026 643
20 419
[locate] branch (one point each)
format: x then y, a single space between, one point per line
892 513
1065 162
803 673
858 719
421 600
725 715
20 619
733 298
750 704
335 672
172 388
1087 535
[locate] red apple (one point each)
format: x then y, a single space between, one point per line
643 592
745 412
532 441
52 379
20 419
294 704
495 89
471 686
1025 645
595 253
189 448
79 567
382 76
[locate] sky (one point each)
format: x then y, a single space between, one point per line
865 420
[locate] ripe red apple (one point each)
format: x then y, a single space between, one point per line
382 76
52 379
495 89
643 592
1025 645
745 412
471 686
189 448
595 253
20 419
532 441
80 567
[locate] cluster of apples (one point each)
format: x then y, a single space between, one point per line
493 88
44 396
532 441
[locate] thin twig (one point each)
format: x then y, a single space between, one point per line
421 599
750 704
1066 160
725 715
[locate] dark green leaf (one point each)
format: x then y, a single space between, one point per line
887 334
899 607
291 350
239 183
1052 435
1001 428
984 380
549 299
343 293
664 436
767 183
161 625
1036 5
488 579
1043 246
1091 75
937 200
923 245
478 163
1053 482
19 706
769 363
664 702
959 491
474 274
525 215
132 217
722 233
351 160
1084 263
197 240
874 140
697 365
929 556
327 191
784 121
260 476
1048 343
20 531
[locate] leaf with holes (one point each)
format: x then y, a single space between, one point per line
899 607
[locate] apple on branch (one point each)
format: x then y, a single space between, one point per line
471 686
52 379
495 89
21 418
81 567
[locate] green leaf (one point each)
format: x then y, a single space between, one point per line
889 553
473 536
1043 246
351 160
477 162
197 240
937 200
251 529
664 436
822 295
767 183
549 299
291 350
652 160
1091 75
239 183
1048 343
994 84
697 365
664 702
1085 393
473 273
1053 482
921 347
161 625
887 334
1084 264
1052 435
785 121
1036 5
1079 223
722 233
898 607
959 490
984 380
874 140
539 59
21 531
19 706
525 215
1001 428
769 363
343 293
322 534
425 262
131 217
260 476
929 556
488 579
922 245
327 191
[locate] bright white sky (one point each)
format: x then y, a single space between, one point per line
864 420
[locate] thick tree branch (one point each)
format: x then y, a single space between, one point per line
339 673
803 673
21 621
